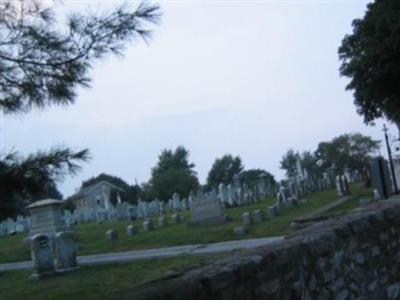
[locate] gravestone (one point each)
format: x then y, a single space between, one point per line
380 177
111 235
131 230
46 217
148 225
132 214
207 210
42 256
240 230
162 221
258 216
246 219
175 219
65 251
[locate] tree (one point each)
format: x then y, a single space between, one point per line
370 58
223 170
26 179
252 176
309 161
41 65
348 151
119 182
289 163
173 173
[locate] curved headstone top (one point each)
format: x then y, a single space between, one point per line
44 202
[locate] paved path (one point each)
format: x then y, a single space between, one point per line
129 256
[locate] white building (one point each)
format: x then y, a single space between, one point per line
95 196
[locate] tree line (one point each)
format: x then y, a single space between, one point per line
345 153
174 173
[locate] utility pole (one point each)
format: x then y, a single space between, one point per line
385 130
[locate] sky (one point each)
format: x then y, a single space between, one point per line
249 78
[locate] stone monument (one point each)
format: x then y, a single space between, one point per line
42 256
46 217
207 210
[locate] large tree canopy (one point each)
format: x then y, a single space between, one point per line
173 173
371 59
252 176
347 151
289 163
42 63
223 170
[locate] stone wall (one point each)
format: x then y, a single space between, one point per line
354 257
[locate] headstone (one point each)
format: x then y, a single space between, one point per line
46 217
162 221
272 211
231 195
65 251
246 219
131 230
240 230
175 218
111 235
208 210
148 225
132 215
175 202
42 256
258 216
381 179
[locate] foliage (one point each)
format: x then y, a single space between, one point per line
42 64
370 58
146 192
309 162
348 151
131 194
223 170
252 177
173 173
24 179
106 177
289 163
68 204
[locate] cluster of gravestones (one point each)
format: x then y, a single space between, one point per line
10 227
288 195
53 253
148 225
342 186
249 218
235 194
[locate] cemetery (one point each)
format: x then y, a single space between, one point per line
96 237
255 79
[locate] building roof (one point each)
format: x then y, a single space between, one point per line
44 202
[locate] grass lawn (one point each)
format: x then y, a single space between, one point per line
92 235
354 202
104 282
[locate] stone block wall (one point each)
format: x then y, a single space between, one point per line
354 257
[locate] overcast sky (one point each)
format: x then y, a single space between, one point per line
250 78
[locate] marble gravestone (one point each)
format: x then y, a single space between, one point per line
65 251
207 210
42 256
46 217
